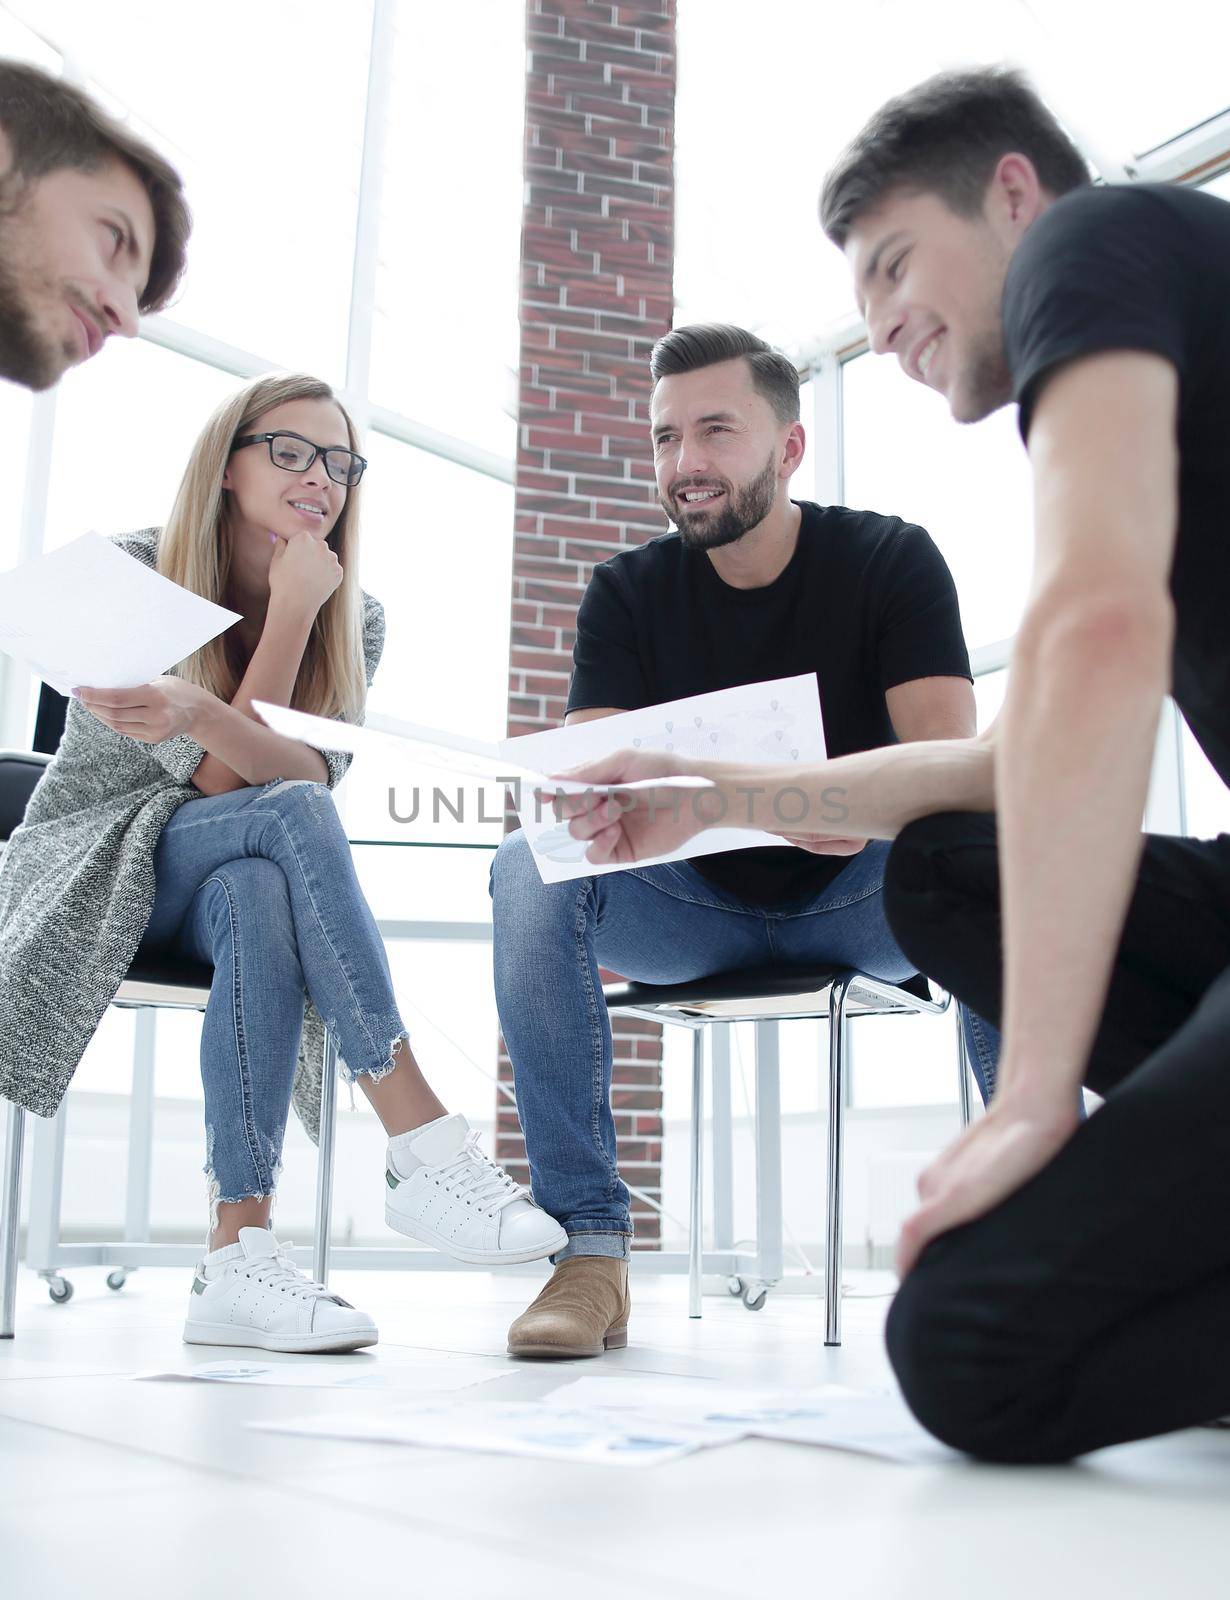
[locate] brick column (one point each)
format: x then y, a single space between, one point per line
597 256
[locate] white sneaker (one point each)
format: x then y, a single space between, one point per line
443 1190
251 1293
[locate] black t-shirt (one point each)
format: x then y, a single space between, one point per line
865 602
1147 267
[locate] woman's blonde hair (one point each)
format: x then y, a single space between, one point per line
195 552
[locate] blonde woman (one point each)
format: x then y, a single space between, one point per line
172 817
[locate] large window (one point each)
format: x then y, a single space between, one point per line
769 97
124 427
379 253
261 109
765 107
969 487
446 340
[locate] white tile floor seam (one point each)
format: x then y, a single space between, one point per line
152 1471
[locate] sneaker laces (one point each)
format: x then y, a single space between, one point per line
280 1272
476 1179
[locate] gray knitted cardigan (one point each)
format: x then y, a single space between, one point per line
77 889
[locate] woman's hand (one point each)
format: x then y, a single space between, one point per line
153 712
303 573
986 1163
632 825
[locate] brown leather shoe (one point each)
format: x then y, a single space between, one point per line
582 1311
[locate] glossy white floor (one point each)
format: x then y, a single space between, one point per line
114 1488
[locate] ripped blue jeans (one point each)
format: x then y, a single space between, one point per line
260 884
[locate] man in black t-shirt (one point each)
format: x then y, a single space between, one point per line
752 586
1067 1284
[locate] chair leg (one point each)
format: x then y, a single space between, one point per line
963 1097
46 1191
141 1126
696 1219
14 1134
723 1136
769 1227
838 1031
324 1160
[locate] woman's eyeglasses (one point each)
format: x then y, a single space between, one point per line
293 453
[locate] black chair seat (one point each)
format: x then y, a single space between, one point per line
20 771
753 983
154 966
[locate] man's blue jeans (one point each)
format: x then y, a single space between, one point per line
260 883
664 924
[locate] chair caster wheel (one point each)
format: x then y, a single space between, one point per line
754 1296
734 1287
118 1278
60 1290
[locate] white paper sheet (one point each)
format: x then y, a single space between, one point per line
413 744
439 1375
774 723
873 1422
777 722
89 615
517 1428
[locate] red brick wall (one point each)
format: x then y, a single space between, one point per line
597 257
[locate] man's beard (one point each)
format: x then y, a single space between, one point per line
27 356
744 509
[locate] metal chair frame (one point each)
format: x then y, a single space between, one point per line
46 1254
839 997
844 995
849 994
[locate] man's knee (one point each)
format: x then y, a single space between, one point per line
511 863
965 1375
922 864
516 883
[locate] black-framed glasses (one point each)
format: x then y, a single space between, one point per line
293 453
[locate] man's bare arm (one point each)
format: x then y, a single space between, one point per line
932 708
922 710
1090 670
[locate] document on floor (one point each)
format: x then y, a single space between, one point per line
517 1428
89 615
441 1375
873 1422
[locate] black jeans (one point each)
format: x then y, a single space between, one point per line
1093 1305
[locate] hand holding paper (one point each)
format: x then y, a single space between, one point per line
152 712
668 748
624 814
773 724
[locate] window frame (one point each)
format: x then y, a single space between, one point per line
16 694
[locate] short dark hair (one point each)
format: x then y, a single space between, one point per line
704 344
945 137
51 125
